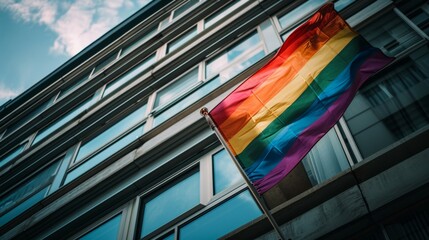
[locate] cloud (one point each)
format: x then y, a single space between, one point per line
77 23
6 93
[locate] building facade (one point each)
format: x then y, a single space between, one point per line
111 145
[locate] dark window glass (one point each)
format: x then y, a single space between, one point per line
175 44
184 7
223 219
225 173
106 231
393 106
73 86
105 62
131 74
62 120
171 203
26 194
12 154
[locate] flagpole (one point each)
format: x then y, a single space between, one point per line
204 112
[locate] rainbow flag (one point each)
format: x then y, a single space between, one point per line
274 118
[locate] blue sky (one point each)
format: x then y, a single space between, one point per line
38 36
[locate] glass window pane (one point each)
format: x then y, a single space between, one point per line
107 231
341 4
12 154
420 17
218 63
184 7
20 208
394 106
225 173
145 36
223 219
105 62
220 14
73 86
271 38
300 13
171 203
177 88
28 117
111 133
104 154
326 159
175 44
391 34
26 194
110 87
62 120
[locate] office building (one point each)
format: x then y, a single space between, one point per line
111 145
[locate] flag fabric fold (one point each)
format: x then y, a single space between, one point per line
274 118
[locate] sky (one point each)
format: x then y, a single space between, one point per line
38 36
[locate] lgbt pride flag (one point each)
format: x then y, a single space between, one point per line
274 118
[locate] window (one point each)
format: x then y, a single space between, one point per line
177 88
145 36
131 74
109 230
222 219
184 8
326 159
236 58
73 86
175 44
39 109
171 203
209 21
62 120
12 154
393 106
300 13
390 34
111 133
26 194
188 89
106 61
225 173
420 17
107 144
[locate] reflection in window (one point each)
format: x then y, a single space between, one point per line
27 194
27 118
326 159
300 13
147 35
112 132
223 219
177 88
170 204
106 231
394 106
212 19
222 62
228 64
184 7
12 154
105 62
133 72
105 153
175 44
225 173
73 86
62 120
390 34
420 17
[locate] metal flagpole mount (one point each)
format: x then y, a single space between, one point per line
205 113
